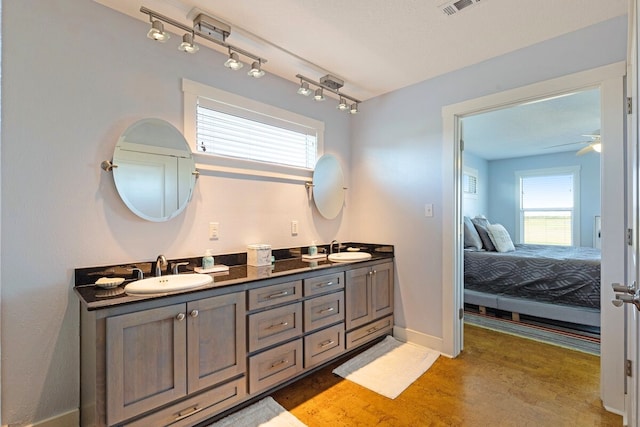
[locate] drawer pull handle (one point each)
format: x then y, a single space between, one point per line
371 330
324 285
279 325
187 413
279 294
326 310
279 362
326 343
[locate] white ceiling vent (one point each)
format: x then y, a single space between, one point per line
452 7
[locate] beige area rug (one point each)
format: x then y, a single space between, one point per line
388 367
265 413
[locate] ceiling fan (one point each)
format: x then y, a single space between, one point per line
594 144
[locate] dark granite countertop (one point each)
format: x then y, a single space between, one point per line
288 262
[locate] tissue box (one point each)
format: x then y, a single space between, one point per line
259 255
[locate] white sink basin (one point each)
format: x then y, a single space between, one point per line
167 284
349 256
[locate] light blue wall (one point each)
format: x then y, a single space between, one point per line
474 206
503 205
398 153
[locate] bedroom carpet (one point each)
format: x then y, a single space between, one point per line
265 413
388 367
575 340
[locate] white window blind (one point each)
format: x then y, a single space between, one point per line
254 136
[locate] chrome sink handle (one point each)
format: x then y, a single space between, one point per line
177 265
139 271
161 262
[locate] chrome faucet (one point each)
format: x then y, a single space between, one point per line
331 246
161 262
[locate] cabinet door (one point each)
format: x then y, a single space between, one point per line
358 298
216 345
382 290
146 361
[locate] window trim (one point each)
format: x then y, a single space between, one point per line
473 173
193 90
564 170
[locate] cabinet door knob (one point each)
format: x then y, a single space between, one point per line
180 316
194 313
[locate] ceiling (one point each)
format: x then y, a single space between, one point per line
378 46
543 127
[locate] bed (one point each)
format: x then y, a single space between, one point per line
552 282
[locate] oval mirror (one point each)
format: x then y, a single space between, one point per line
328 186
154 170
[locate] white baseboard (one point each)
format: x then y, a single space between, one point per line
68 419
419 338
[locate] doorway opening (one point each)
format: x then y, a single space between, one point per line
530 201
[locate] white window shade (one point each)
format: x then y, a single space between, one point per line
225 134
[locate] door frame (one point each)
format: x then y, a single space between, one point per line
610 80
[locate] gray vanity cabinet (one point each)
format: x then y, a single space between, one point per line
160 355
369 303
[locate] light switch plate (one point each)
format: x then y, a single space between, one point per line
214 228
428 210
294 228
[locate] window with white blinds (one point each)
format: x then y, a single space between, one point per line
244 134
549 206
229 135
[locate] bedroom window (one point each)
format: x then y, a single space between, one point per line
549 206
228 129
470 182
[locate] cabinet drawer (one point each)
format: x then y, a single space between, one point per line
321 284
275 294
323 345
274 366
197 408
273 326
323 311
369 332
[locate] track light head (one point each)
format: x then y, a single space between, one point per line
157 32
343 104
354 108
319 95
256 70
187 44
304 89
233 62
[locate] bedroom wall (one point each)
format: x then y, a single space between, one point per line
479 204
69 96
397 156
503 202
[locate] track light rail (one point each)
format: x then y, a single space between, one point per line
327 87
225 32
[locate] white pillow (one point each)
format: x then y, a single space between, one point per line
500 238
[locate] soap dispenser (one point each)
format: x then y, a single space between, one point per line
313 249
207 260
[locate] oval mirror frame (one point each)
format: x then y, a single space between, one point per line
328 186
154 170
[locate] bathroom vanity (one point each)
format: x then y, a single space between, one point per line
181 359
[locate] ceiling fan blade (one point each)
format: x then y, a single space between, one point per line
568 143
584 150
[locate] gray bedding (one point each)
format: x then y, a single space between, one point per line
555 274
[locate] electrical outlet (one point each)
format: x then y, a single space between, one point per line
214 230
294 228
428 210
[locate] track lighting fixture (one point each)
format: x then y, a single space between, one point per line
187 44
332 84
206 28
304 89
157 32
233 62
256 70
319 95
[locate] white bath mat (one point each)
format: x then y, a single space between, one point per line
265 413
388 367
